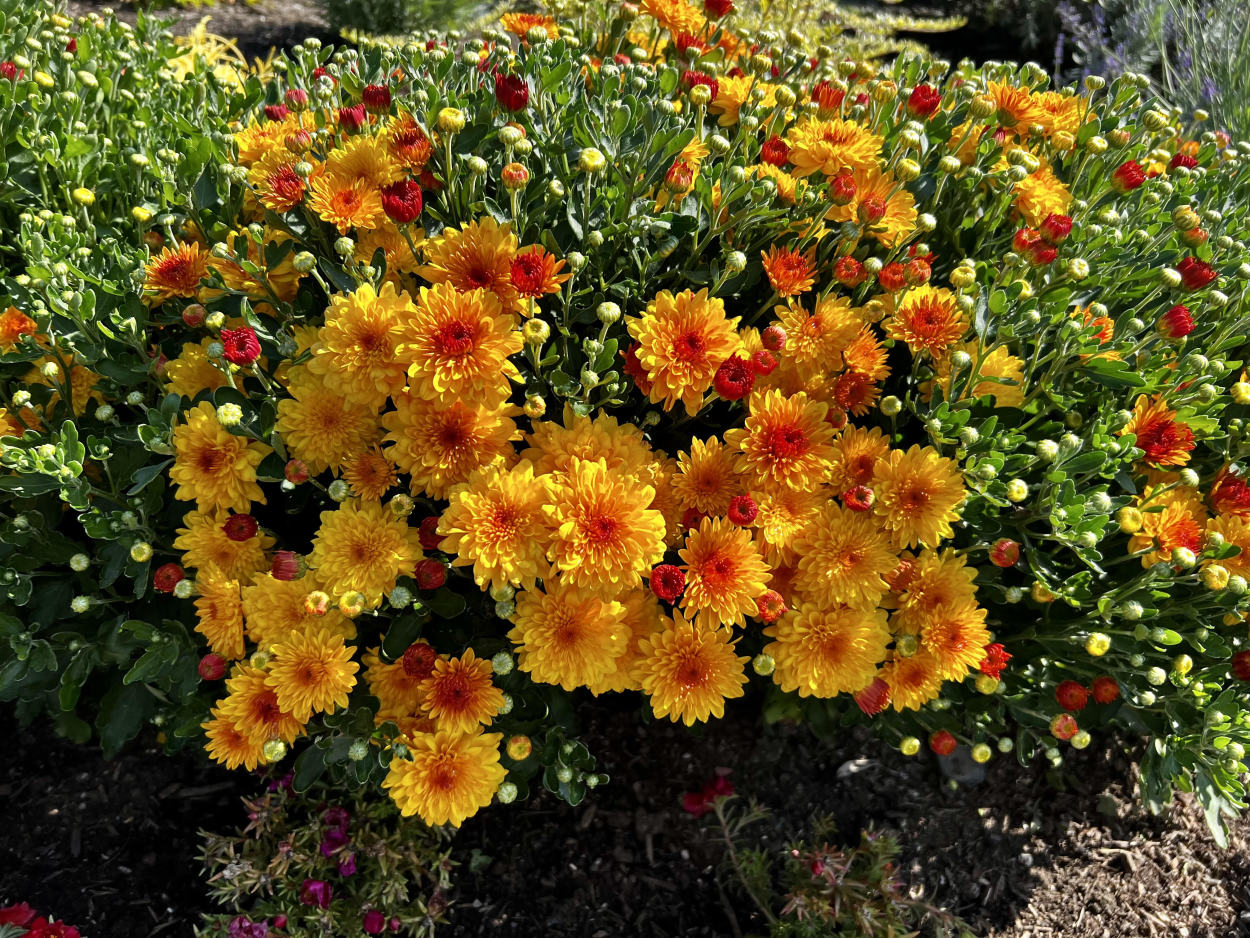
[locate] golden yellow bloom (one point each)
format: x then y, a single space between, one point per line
277 184
206 547
553 446
1236 531
1059 112
788 188
253 707
273 609
871 182
395 248
913 681
364 158
521 23
192 371
935 579
823 652
785 442
956 636
731 94
1040 194
856 453
281 278
567 636
830 146
13 325
363 547
683 340
815 341
1164 440
345 203
843 557
707 477
321 426
358 347
477 256
441 446
176 271
928 320
998 364
398 688
460 694
449 776
782 516
82 385
458 346
259 138
677 16
690 672
312 673
212 467
918 495
724 573
495 523
370 474
220 612
227 745
642 618
605 537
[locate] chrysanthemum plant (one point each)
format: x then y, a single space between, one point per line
640 355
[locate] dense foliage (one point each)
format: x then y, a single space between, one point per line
620 355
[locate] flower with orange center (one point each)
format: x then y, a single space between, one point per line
206 547
176 271
854 393
605 537
259 138
397 252
843 558
495 523
459 694
477 256
683 339
785 442
192 371
458 345
364 158
642 617
815 341
280 279
362 547
398 685
253 706
1040 194
447 776
441 446
1236 531
688 673
534 273
873 183
790 273
830 146
278 185
407 143
519 24
319 425
13 325
724 573
782 516
823 652
370 474
312 673
1060 112
213 467
935 579
957 638
707 477
1164 440
220 612
226 744
1170 519
856 453
567 636
357 349
1017 108
928 320
732 92
553 446
918 495
273 609
346 203
866 356
677 16
913 681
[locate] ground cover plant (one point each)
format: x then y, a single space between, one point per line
432 388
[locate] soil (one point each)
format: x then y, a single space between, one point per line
111 846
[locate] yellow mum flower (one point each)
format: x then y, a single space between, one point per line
1040 194
459 695
918 496
82 385
496 524
677 16
398 686
312 673
370 474
843 557
815 341
212 467
176 271
605 537
956 636
830 146
273 609
683 340
458 345
823 652
366 159
1236 531
934 579
856 453
1017 107
220 612
553 446
731 94
913 681
252 705
358 347
928 320
440 447
521 23
192 371
642 618
206 547
724 573
476 256
448 777
998 364
228 745
363 547
346 203
567 636
707 477
871 182
689 673
782 516
320 425
785 442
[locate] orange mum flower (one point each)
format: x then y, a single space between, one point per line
707 477
13 325
724 573
856 453
689 672
521 23
785 442
477 256
815 341
176 271
913 681
918 494
1165 440
843 558
370 474
460 695
346 203
535 272
790 272
928 319
830 146
957 637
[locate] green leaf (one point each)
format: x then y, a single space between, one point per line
308 768
1113 373
122 715
143 476
446 603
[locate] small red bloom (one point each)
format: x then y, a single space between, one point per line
351 119
996 658
774 338
512 92
418 660
20 914
685 42
240 346
427 533
923 102
690 78
1241 665
1176 323
1042 254
718 8
849 272
763 362
295 471
842 189
770 605
1182 159
166 577
1128 176
376 99
212 667
42 928
942 742
668 582
871 211
1072 696
874 698
193 315
1230 495
827 96
892 277
1056 228
734 378
373 922
430 574
320 72
859 498
240 527
742 509
10 72
633 367
1005 552
1064 726
296 98
72 45
775 151
402 201
1024 240
1104 690
917 272
1195 274
691 517
285 566
700 802
276 112
680 176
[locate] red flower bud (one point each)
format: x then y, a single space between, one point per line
212 667
1182 159
842 189
1176 323
874 698
871 210
1005 552
376 99
996 658
770 605
718 8
166 577
892 277
427 533
430 574
276 112
402 201
351 119
734 378
774 338
859 498
742 509
1195 274
1128 176
1064 726
194 315
942 742
296 99
240 346
691 517
512 92
668 582
1105 690
418 660
917 272
849 272
295 471
1024 240
1072 696
775 151
285 566
923 102
763 362
827 96
1056 228
1241 665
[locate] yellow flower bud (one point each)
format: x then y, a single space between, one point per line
1129 519
451 120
